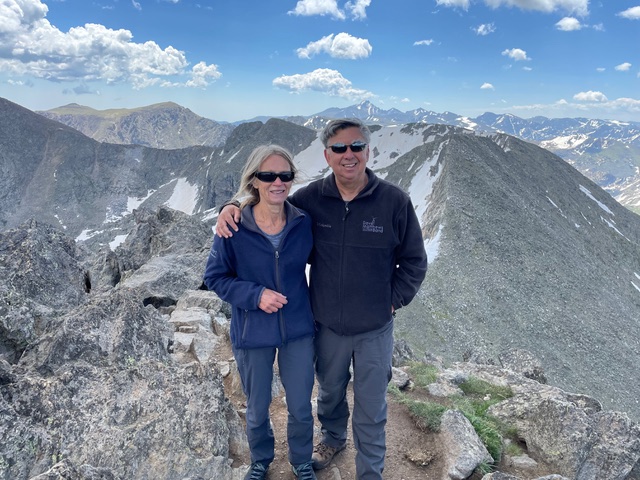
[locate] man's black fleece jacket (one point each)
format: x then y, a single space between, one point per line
368 253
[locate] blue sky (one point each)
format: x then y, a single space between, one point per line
231 60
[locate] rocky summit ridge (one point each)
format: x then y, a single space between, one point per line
120 369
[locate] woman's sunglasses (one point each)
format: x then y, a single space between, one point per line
355 147
271 176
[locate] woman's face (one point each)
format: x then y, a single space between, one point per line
276 192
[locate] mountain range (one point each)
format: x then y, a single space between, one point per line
606 151
524 251
163 125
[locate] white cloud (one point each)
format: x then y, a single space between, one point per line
341 45
31 46
82 89
322 80
423 42
464 4
579 7
516 53
358 8
318 7
20 83
487 86
485 29
203 74
569 24
627 103
632 13
136 5
619 107
601 69
590 96
623 67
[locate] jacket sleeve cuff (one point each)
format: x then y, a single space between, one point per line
232 202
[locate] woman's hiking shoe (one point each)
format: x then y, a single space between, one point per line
323 454
257 471
304 471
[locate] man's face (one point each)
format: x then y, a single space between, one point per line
349 167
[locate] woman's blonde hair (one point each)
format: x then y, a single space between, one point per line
247 194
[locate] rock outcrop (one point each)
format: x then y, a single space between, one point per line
92 384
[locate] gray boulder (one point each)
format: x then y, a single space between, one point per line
41 278
465 449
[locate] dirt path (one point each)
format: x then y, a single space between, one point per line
404 441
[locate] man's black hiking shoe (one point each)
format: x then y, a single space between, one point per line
257 471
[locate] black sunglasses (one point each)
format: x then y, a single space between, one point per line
271 176
355 147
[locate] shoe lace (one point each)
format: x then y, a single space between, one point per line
257 471
305 471
321 448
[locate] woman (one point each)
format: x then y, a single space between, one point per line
261 273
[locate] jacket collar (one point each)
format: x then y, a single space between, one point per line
248 220
330 189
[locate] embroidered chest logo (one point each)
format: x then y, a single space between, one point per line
372 227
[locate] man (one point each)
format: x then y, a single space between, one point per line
367 262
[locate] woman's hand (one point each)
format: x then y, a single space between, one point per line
271 301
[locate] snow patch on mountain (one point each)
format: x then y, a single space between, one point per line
388 143
586 191
117 241
311 163
565 142
184 197
422 183
432 246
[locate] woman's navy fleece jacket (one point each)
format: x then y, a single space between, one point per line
241 267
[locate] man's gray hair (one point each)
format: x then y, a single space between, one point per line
334 126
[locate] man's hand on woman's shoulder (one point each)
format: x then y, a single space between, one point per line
228 220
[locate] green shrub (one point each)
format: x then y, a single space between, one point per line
422 374
427 415
477 387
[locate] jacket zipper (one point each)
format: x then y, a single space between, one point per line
283 331
342 260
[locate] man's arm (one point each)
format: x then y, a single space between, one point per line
228 220
229 216
411 260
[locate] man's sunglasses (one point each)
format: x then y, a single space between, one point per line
271 176
355 147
